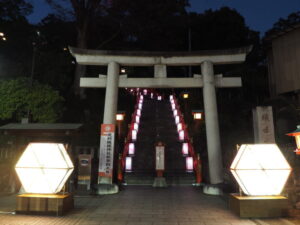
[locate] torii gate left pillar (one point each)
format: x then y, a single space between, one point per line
111 93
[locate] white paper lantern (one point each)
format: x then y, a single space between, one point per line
189 164
260 169
177 119
181 135
44 168
179 127
128 164
136 126
175 112
131 149
134 135
185 148
137 119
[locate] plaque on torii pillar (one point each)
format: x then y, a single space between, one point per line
160 60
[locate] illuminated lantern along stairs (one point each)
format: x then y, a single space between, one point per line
157 124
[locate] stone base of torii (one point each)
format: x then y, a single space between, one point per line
160 60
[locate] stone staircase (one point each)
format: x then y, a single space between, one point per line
157 124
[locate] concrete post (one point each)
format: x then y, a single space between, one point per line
111 95
105 185
212 124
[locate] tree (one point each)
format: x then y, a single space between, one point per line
12 10
152 25
17 98
84 11
220 29
283 24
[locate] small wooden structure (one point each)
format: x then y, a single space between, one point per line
50 204
258 206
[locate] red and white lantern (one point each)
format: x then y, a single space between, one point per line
181 135
175 112
189 164
128 164
179 127
185 149
137 119
136 126
134 135
177 119
131 149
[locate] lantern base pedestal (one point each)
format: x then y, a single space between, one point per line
258 206
49 204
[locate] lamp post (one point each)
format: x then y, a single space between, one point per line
119 118
2 36
296 134
197 114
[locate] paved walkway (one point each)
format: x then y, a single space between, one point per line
139 206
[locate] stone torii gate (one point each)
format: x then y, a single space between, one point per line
160 60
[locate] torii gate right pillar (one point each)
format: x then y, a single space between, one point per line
212 125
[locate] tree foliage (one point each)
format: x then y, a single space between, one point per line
12 10
283 24
17 97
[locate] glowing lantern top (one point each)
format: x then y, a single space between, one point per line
44 168
260 169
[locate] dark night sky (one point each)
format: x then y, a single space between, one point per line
260 15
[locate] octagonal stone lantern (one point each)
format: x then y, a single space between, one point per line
260 169
44 168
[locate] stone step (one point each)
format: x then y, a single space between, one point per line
157 118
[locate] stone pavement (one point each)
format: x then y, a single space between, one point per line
137 205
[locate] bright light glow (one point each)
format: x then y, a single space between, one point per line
136 126
260 169
137 119
175 112
179 127
186 95
44 168
134 134
171 97
145 91
140 105
4 38
120 117
181 135
198 116
123 70
138 112
131 149
177 119
1 34
185 148
173 106
159 98
128 164
151 95
141 97
189 163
